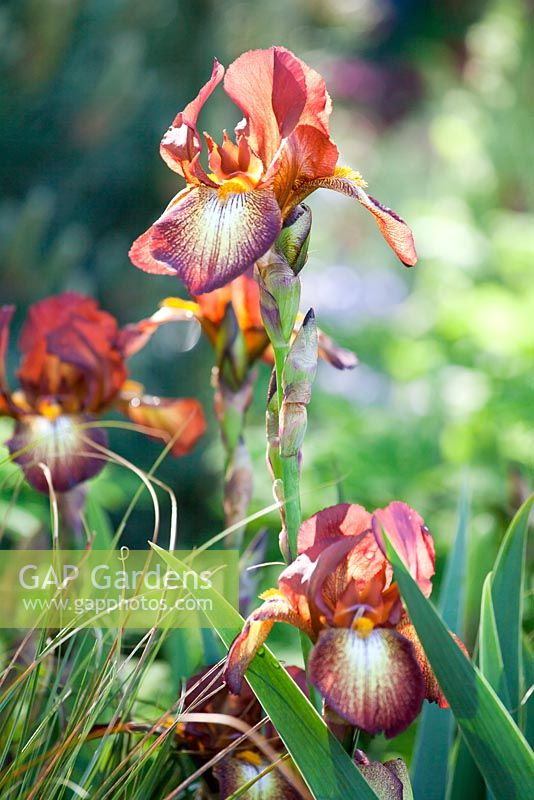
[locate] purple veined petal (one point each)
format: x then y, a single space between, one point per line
392 227
63 445
373 681
208 237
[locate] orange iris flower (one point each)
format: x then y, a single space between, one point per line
243 295
366 661
226 218
73 368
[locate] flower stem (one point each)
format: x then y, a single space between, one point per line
290 466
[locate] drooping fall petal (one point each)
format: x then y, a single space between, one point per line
276 608
339 357
63 445
181 144
233 773
178 420
134 336
208 237
373 682
392 227
411 539
433 692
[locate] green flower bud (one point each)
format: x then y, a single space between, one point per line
298 375
294 238
231 350
279 297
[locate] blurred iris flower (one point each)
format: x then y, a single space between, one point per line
73 369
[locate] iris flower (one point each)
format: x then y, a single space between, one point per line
366 661
243 295
228 216
73 369
220 721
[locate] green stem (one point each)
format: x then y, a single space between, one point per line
290 467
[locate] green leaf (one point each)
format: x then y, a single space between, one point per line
527 702
507 592
465 779
436 726
490 655
325 766
98 523
496 743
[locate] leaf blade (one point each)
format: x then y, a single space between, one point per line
507 590
496 743
325 766
436 727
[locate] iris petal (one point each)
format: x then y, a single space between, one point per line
63 445
181 420
433 692
269 86
339 357
276 608
373 682
208 237
233 773
392 227
412 540
181 144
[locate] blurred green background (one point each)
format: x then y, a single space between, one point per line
433 102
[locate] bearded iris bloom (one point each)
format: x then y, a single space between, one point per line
220 718
367 661
73 368
243 295
226 218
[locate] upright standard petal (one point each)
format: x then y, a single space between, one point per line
307 154
392 227
374 681
208 237
65 445
269 86
343 519
411 539
181 144
70 354
134 336
180 421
